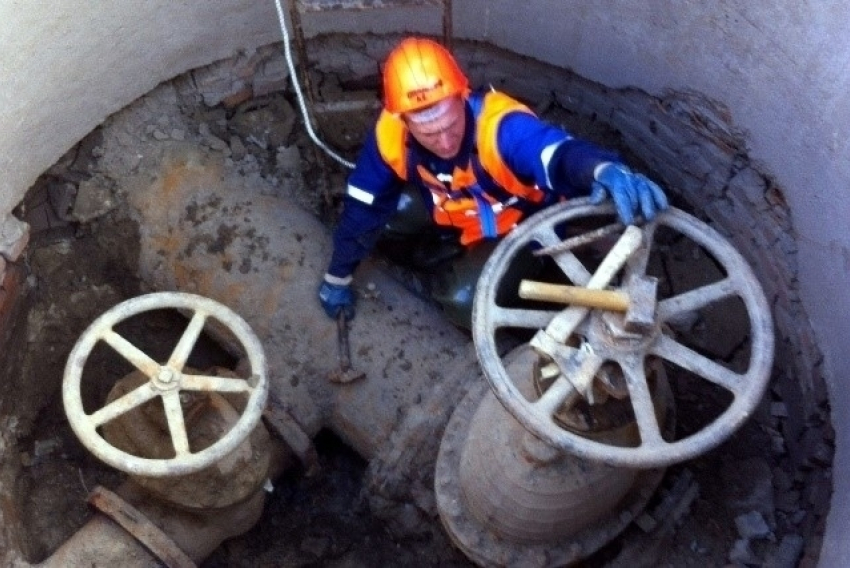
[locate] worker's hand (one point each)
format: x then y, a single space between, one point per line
336 295
632 193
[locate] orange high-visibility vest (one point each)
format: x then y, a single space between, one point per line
470 204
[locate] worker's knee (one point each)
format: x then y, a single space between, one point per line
411 216
454 288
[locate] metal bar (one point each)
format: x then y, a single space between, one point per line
280 420
301 50
579 240
347 106
327 5
140 527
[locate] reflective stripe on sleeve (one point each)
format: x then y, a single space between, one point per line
360 195
339 281
546 157
599 167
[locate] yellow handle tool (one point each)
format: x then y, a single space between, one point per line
611 300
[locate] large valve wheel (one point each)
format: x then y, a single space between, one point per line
165 381
579 340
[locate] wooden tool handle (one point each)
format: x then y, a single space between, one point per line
610 300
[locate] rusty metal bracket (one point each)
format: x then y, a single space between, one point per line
140 527
280 421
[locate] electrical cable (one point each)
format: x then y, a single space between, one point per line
287 50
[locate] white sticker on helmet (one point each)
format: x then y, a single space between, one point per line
430 113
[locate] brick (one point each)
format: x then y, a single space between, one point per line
751 185
778 209
10 292
788 244
586 99
752 525
810 377
788 553
240 96
722 213
698 162
245 66
272 77
670 130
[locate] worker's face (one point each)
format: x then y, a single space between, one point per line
443 135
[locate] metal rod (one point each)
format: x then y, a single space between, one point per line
580 240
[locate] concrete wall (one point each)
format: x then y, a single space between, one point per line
781 71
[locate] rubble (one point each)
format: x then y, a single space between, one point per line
94 198
752 525
742 554
14 236
787 555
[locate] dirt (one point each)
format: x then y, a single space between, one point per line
81 261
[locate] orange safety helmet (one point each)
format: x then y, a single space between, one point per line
419 73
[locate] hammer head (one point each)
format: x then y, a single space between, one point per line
643 299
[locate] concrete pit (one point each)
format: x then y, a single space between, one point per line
83 255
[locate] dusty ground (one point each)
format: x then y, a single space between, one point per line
81 262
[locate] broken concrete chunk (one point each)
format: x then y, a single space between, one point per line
217 144
777 444
273 76
752 525
646 522
779 410
787 553
788 501
288 159
753 492
61 198
95 198
741 553
270 124
14 236
822 454
237 148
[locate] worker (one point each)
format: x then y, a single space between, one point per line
479 161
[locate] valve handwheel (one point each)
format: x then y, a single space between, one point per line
165 381
560 329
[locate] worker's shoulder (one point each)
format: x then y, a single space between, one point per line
492 103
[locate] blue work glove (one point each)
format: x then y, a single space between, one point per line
337 296
632 193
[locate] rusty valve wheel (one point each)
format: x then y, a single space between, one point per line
165 381
602 337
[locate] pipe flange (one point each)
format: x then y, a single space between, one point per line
486 548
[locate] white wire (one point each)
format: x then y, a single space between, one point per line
287 49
